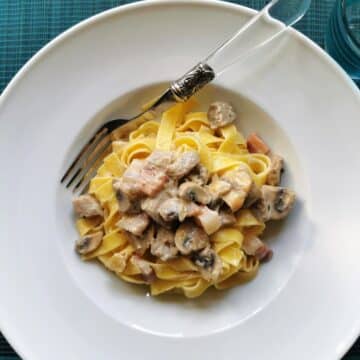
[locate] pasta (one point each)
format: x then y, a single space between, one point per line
222 151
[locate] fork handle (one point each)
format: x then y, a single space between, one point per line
205 71
238 47
183 88
192 82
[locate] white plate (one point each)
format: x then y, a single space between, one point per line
303 305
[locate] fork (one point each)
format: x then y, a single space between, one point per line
284 13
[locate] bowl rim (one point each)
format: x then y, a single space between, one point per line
11 86
148 3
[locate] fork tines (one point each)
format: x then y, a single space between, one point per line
87 161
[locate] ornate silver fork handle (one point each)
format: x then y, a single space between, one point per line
227 53
190 83
237 47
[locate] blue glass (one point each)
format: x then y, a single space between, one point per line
343 36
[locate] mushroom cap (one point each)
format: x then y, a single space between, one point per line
89 243
173 209
276 170
220 114
189 237
275 203
163 245
209 263
122 199
192 191
199 175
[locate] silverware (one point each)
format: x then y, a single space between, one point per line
283 13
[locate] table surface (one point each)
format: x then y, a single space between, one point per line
27 25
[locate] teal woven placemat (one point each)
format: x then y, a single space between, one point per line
27 25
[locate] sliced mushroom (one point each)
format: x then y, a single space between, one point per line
87 206
276 170
209 220
135 224
175 209
163 246
145 268
172 209
189 237
194 192
183 164
89 243
209 263
199 175
151 205
220 114
275 203
217 188
227 217
141 243
240 181
252 245
123 200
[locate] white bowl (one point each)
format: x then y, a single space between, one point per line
303 305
